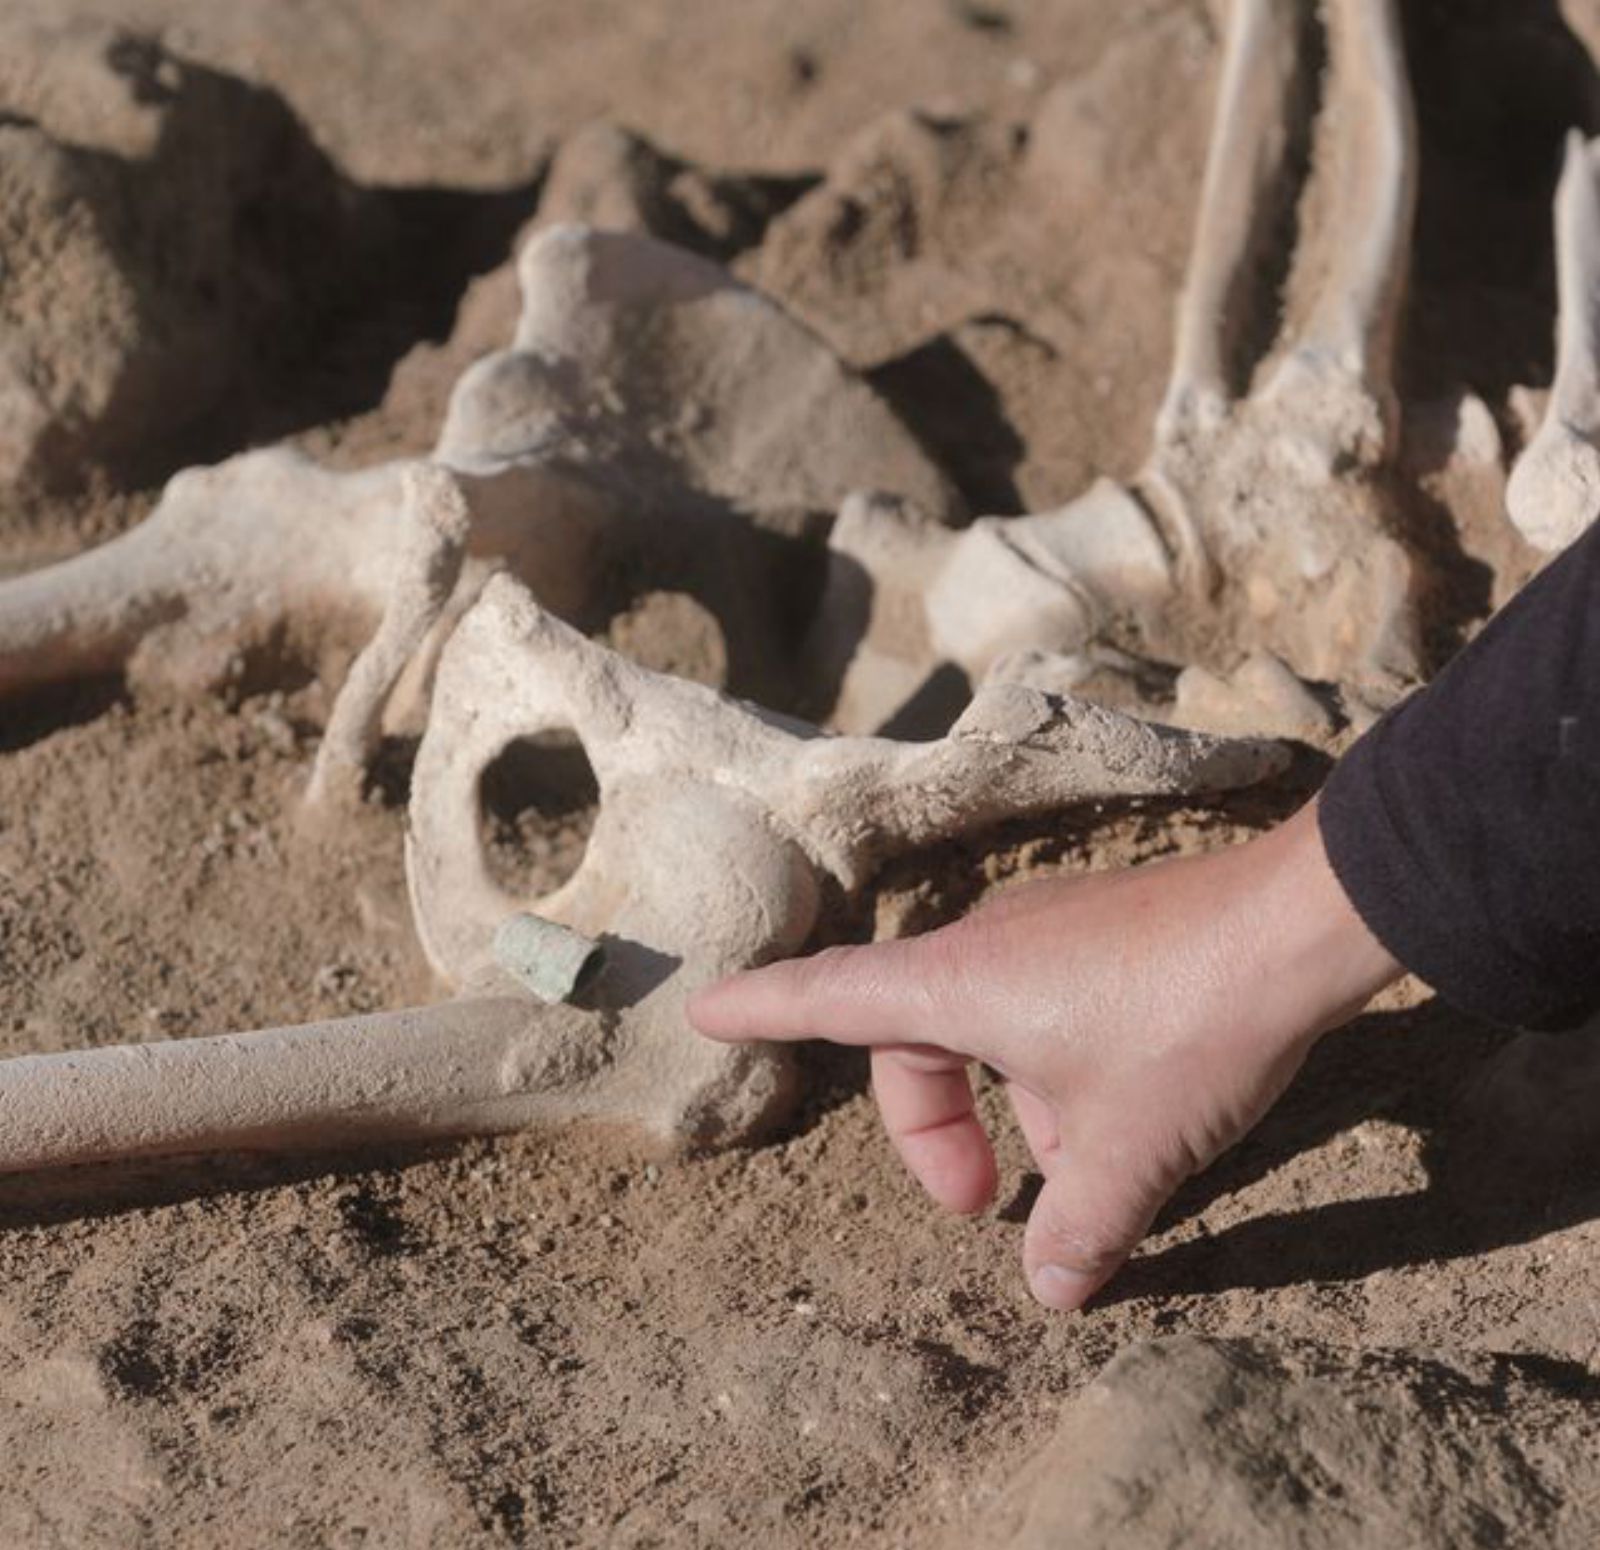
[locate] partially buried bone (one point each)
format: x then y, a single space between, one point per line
653 424
722 828
464 1067
1261 523
1554 491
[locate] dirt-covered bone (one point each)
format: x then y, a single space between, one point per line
1262 521
654 425
1554 490
722 829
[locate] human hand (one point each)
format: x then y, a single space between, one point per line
1143 1021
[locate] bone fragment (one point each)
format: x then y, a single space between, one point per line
259 543
721 829
1261 526
1554 491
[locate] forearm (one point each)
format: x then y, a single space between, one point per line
1324 961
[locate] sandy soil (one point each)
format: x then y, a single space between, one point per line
564 1341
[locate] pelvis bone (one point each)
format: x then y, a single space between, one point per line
722 831
723 828
654 423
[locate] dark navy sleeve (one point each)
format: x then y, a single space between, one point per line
1465 826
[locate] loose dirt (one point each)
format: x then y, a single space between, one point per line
563 1340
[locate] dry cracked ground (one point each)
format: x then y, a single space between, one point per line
1376 1322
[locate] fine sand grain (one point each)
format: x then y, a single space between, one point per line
562 1341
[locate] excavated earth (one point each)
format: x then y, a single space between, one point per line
1376 1322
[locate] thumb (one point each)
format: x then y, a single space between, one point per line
1089 1217
850 995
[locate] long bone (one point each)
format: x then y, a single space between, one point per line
1259 524
1286 495
1554 490
721 830
465 1067
1342 360
1246 163
653 422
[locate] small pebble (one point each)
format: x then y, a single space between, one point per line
1024 74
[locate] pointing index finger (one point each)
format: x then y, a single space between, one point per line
848 995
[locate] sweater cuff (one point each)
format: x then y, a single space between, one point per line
1424 918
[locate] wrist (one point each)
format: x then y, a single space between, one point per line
1329 960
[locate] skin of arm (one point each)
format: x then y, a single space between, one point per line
1142 1020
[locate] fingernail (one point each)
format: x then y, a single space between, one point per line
1060 1288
